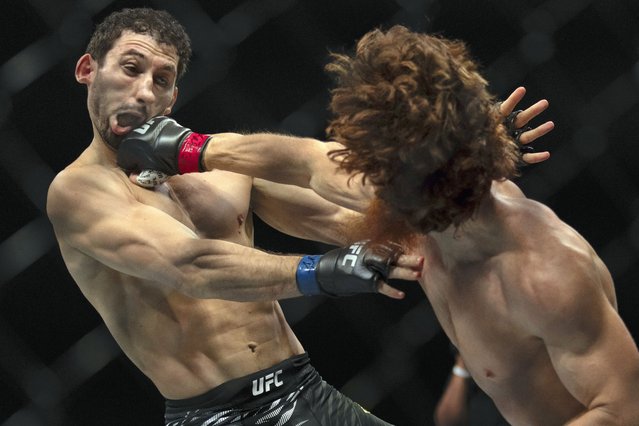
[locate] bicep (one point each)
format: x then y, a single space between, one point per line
145 242
112 227
118 231
595 356
300 212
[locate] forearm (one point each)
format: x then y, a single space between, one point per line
246 274
278 158
221 270
302 162
162 145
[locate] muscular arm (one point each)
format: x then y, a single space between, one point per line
289 160
304 161
592 351
300 212
110 226
116 230
162 145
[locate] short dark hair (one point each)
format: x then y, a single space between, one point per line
159 24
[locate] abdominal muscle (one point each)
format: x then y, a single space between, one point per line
188 346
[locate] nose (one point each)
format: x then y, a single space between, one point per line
144 90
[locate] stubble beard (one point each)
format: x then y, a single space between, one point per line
100 115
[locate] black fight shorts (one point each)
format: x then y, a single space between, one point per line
290 393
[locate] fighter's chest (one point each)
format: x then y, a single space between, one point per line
474 311
469 302
213 204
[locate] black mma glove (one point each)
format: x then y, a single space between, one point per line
162 144
516 133
348 270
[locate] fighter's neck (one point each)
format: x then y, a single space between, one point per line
477 239
98 152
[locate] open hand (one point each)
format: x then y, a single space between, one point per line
523 118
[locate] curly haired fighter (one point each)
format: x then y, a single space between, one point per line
525 299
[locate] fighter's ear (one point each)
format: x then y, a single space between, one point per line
168 109
84 69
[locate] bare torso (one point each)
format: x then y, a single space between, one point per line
187 346
478 305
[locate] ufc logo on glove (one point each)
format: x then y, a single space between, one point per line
357 268
352 258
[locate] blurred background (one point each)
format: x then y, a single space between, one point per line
258 65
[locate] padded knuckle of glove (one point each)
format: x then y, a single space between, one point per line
164 145
382 256
347 271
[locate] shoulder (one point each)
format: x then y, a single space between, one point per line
553 277
506 187
560 285
82 186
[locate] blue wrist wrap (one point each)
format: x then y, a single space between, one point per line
305 275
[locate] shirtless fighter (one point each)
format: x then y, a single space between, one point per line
166 271
525 299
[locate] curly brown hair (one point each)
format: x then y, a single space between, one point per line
416 118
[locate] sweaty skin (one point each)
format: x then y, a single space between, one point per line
532 310
166 268
185 344
523 296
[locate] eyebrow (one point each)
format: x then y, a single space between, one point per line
133 52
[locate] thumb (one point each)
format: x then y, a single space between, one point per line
149 178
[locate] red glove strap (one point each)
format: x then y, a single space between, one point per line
190 151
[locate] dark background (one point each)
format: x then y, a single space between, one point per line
258 65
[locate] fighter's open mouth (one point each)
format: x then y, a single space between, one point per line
128 119
124 122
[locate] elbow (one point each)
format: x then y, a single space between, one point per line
184 270
186 279
190 284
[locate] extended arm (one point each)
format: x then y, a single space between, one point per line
163 145
304 161
113 228
116 230
289 160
